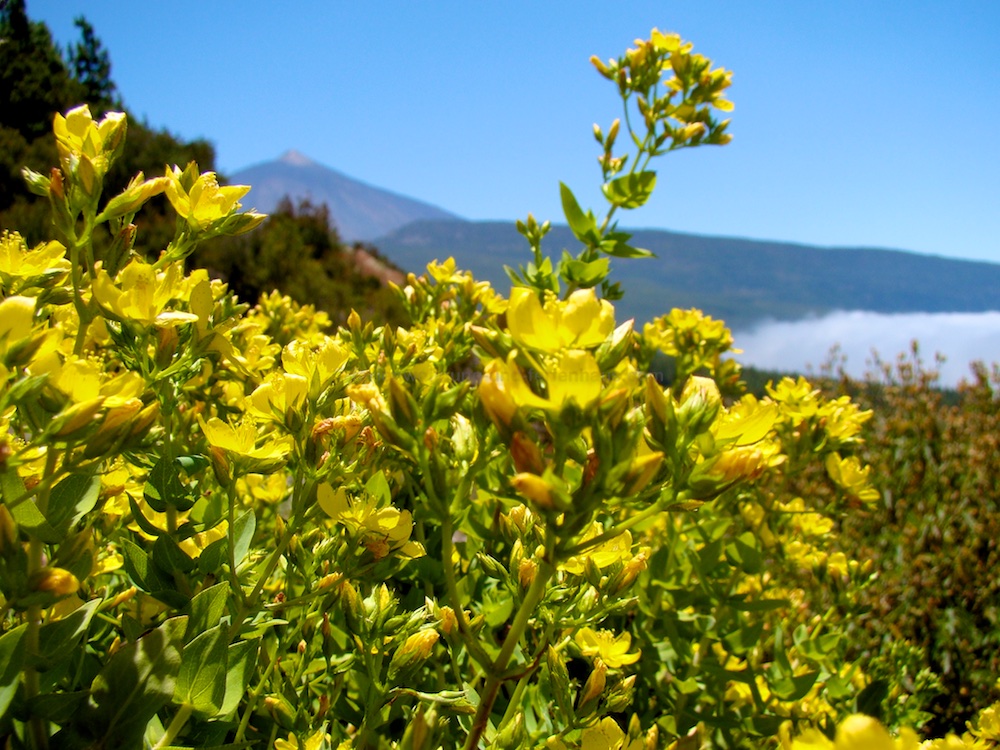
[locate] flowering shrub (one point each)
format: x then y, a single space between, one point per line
226 526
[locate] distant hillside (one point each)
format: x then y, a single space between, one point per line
741 281
359 211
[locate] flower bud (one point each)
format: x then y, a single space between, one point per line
415 650
526 571
56 581
627 575
526 454
700 404
535 489
74 421
592 689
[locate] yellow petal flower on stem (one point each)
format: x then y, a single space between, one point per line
495 396
279 394
16 316
851 476
616 549
16 261
141 294
582 321
241 440
202 202
528 323
574 376
605 645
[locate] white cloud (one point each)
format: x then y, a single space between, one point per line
805 345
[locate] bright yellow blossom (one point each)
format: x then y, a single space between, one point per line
280 393
581 321
852 477
239 443
570 375
859 732
382 530
605 645
203 203
29 267
615 549
142 294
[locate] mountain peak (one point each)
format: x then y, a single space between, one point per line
359 211
296 158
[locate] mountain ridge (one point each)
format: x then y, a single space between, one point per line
742 281
360 211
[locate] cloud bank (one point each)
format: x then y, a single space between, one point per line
804 345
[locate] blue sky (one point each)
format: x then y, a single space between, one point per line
856 122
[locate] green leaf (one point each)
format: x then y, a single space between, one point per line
585 274
136 683
616 244
631 190
11 658
57 640
583 225
378 488
242 658
207 608
794 688
57 707
743 552
24 511
72 499
169 557
744 638
201 681
498 606
164 486
243 531
871 699
141 521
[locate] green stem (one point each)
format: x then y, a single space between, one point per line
178 722
476 649
496 673
252 701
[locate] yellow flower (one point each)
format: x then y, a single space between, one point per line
315 741
859 732
988 723
240 443
77 133
29 266
570 375
16 317
142 294
86 148
316 363
581 322
382 530
603 644
747 422
616 549
203 203
494 394
279 394
851 476
607 735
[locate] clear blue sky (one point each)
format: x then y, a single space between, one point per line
856 122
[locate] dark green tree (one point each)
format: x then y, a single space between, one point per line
91 66
298 252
